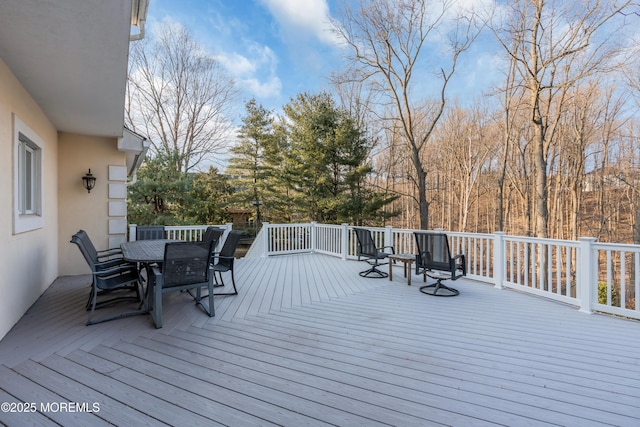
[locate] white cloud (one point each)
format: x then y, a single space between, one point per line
254 72
271 88
238 65
298 18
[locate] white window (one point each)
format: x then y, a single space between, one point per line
27 190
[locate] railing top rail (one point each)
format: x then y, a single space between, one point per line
300 224
465 234
544 240
619 246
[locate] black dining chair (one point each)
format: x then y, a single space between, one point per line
213 234
150 232
223 261
118 279
107 258
186 266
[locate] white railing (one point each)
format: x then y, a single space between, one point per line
593 276
590 275
616 269
187 233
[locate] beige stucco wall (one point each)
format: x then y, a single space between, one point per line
28 261
82 210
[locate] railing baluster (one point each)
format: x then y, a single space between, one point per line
623 279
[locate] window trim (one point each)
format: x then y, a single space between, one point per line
28 214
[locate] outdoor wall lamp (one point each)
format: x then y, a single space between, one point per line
89 181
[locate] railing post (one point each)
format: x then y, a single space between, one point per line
132 232
585 275
265 239
499 259
344 240
388 236
313 236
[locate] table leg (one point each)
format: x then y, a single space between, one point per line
390 271
408 265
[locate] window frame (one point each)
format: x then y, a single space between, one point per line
28 180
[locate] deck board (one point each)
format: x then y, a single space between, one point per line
309 342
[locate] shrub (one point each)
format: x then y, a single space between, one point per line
602 294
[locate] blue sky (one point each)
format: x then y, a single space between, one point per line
276 49
273 48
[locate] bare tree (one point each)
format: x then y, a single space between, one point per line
388 42
466 134
555 44
179 96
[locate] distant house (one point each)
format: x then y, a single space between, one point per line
63 70
607 179
241 218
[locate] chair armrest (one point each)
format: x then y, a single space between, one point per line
393 251
109 252
156 271
115 270
102 265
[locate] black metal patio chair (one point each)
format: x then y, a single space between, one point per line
186 266
150 232
107 258
223 261
434 260
370 253
213 234
119 279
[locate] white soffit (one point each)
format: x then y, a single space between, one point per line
71 56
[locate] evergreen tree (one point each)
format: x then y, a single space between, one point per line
248 164
326 162
163 195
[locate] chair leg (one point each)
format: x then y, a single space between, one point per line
208 308
95 305
434 289
373 273
218 284
233 282
156 313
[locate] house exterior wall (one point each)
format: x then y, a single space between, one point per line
28 260
80 209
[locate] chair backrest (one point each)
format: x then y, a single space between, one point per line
149 232
213 234
366 245
228 250
186 263
88 245
77 240
433 250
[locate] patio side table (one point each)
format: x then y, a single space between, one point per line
407 260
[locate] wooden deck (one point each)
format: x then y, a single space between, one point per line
309 342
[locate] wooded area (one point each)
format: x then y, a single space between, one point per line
552 151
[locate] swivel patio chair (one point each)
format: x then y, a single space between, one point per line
116 278
186 266
434 260
150 232
370 253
